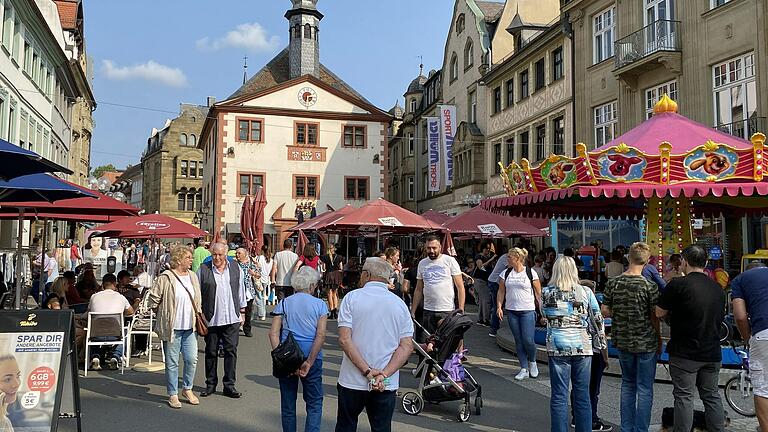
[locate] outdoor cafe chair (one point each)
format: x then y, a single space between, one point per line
142 323
102 326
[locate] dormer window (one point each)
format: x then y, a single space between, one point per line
413 105
460 24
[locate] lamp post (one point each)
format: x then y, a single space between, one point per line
472 200
201 217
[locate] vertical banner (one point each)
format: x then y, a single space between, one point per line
433 141
448 124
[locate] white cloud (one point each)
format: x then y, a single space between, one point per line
149 71
252 37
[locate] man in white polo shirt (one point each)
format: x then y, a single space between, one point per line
435 278
376 334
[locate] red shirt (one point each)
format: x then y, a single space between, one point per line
310 262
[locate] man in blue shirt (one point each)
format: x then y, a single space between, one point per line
750 308
652 274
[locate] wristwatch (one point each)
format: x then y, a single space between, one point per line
367 371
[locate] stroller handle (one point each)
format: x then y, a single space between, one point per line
418 324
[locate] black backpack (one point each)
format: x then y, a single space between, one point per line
529 273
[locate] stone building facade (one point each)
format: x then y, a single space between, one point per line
303 135
709 55
530 102
172 166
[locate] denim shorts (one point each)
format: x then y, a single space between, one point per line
758 361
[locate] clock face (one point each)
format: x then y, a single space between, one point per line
307 96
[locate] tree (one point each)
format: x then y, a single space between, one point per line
100 170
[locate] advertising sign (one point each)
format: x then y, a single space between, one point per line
33 348
448 134
491 229
433 142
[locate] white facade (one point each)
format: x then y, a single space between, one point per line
279 160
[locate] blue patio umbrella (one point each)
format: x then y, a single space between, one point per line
18 162
31 188
38 187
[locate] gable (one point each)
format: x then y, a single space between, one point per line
291 98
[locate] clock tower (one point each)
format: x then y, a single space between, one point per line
304 33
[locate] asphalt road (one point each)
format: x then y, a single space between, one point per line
136 401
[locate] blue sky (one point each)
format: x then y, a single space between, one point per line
157 54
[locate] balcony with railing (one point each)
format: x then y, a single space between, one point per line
745 128
658 43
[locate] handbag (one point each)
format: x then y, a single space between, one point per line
201 323
592 328
287 357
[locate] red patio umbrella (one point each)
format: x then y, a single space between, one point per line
382 215
322 219
245 223
303 241
481 222
257 219
151 225
436 217
448 247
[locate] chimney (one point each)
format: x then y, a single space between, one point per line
304 35
211 101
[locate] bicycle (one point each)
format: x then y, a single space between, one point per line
738 390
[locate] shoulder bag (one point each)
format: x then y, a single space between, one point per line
287 357
201 323
592 328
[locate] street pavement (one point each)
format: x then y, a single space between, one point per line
135 401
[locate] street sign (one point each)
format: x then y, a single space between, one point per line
491 229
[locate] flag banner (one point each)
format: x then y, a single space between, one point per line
448 133
433 141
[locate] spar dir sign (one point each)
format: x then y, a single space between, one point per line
35 347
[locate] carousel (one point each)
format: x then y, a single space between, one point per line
686 182
669 171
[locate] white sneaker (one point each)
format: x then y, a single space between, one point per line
523 374
534 370
95 364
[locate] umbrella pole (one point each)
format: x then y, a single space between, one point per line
41 283
347 246
378 238
19 260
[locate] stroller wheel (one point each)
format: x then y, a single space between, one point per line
464 413
478 405
412 403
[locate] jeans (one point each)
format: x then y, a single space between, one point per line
312 386
259 304
431 320
104 351
690 374
248 317
493 291
523 326
183 342
483 300
379 406
638 371
595 379
565 370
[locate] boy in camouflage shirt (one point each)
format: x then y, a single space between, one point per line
630 300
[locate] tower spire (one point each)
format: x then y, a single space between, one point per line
421 65
304 47
245 69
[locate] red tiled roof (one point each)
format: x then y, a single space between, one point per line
67 13
112 176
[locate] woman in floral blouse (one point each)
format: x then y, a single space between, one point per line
574 332
252 278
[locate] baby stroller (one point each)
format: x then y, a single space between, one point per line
435 383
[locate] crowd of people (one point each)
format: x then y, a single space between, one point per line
374 301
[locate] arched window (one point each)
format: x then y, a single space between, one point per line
191 200
307 31
413 105
198 201
454 67
469 54
317 31
460 24
297 31
192 140
182 199
183 139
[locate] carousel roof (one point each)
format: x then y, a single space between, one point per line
668 155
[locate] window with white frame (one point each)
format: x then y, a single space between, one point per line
413 106
606 121
411 140
653 94
715 3
603 31
735 95
411 189
473 107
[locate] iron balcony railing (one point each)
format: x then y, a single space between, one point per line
745 128
661 35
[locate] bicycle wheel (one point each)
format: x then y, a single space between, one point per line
724 332
741 399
